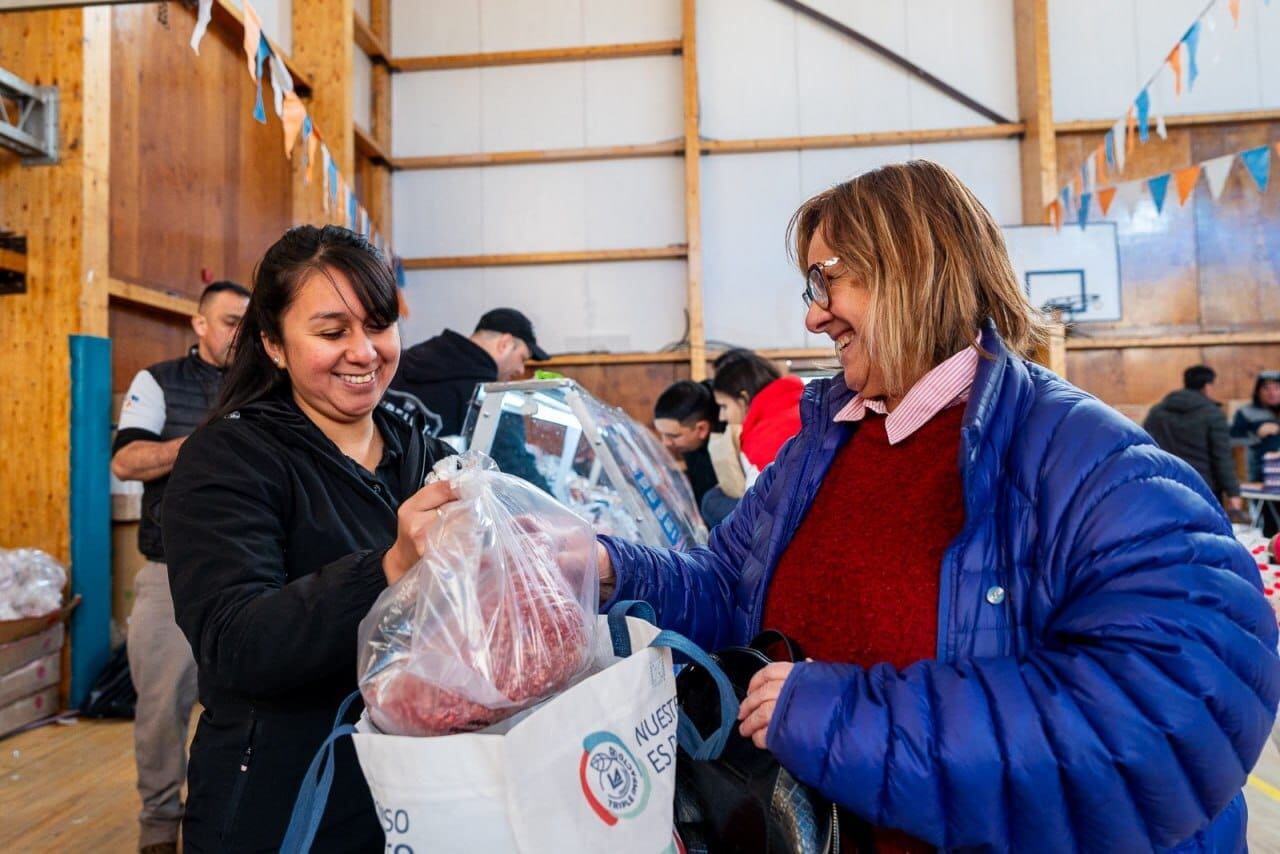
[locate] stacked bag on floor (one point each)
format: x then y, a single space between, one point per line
31 636
502 714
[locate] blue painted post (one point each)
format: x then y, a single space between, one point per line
90 510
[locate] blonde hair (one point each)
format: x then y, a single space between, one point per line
933 259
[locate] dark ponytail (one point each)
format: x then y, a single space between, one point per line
742 373
300 252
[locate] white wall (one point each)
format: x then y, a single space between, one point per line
1103 51
764 71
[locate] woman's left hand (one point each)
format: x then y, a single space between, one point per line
756 710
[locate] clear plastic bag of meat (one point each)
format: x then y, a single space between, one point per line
498 615
31 583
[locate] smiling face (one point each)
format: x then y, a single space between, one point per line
845 320
339 364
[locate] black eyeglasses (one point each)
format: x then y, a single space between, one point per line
816 287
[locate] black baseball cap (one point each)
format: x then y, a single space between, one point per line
512 322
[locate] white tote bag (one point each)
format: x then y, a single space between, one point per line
592 769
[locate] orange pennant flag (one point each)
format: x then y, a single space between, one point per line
1175 62
292 116
1054 212
1077 186
1234 6
1105 197
1100 157
252 32
1185 179
1131 138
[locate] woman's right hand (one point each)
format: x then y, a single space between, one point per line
416 517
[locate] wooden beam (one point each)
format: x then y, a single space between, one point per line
1189 120
229 15
367 40
861 140
546 155
693 193
323 46
531 258
1205 339
152 298
1038 150
369 147
532 57
95 174
380 20
565 360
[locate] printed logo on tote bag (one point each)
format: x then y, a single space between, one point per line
614 783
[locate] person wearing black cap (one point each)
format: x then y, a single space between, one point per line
438 377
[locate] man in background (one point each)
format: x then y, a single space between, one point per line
684 417
1190 424
165 403
438 378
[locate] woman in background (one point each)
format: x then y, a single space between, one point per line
1258 422
752 392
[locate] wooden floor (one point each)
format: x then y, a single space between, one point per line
71 788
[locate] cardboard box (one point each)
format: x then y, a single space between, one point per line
28 709
31 678
17 653
12 630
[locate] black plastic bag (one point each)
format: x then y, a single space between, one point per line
112 694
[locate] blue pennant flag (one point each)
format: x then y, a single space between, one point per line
1111 151
351 212
1083 214
333 180
1192 40
1258 162
264 51
1066 200
1144 112
1158 187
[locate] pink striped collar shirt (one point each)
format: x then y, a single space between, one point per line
943 387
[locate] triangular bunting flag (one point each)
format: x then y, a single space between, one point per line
351 210
313 142
1065 199
1128 197
1144 110
1053 211
1216 172
1158 186
1131 128
292 117
1091 172
1100 163
264 51
1234 6
252 34
202 24
1109 143
1258 162
325 171
1077 185
281 82
1175 62
1082 215
1118 132
1185 181
1160 128
1192 41
1105 196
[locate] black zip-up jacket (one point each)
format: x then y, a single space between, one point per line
1189 425
275 541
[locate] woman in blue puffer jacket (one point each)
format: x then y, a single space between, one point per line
1032 629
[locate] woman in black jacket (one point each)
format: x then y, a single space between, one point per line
287 514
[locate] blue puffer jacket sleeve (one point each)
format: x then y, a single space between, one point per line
693 591
1129 721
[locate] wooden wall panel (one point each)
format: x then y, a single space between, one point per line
196 182
634 388
141 337
1209 267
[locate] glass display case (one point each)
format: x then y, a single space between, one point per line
593 458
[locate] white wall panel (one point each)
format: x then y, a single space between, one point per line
747 69
1227 57
1091 57
842 86
969 45
751 291
434 27
632 203
362 89
438 212
574 307
622 21
532 106
1264 23
634 101
534 208
435 112
530 24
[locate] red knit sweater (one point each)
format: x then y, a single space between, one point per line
859 582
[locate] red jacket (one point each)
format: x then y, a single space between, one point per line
772 418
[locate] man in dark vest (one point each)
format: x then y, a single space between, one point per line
164 404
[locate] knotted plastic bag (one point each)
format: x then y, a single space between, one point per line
497 616
31 584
